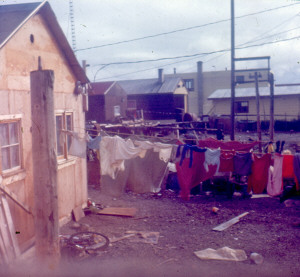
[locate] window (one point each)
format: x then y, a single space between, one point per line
242 107
64 121
189 84
10 145
117 111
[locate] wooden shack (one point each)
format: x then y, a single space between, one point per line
27 32
107 102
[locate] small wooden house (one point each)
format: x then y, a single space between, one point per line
27 32
159 98
107 101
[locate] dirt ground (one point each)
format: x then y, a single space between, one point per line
270 229
185 227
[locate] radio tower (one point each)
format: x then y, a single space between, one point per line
71 11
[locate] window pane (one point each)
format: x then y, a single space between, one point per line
5 158
4 134
15 156
59 140
13 133
69 123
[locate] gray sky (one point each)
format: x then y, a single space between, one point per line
101 22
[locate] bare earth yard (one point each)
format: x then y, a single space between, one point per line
185 227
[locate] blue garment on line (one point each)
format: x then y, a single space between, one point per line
94 143
191 148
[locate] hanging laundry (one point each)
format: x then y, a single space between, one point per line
257 181
164 150
147 174
190 176
228 145
275 185
78 144
190 168
114 150
94 143
242 163
288 168
297 167
212 157
226 161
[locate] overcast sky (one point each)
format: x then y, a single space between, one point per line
102 22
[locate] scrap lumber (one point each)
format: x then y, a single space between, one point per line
78 213
11 227
8 243
230 222
117 211
14 198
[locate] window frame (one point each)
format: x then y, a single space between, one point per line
12 169
66 139
239 108
189 81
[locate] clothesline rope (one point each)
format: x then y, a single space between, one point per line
147 136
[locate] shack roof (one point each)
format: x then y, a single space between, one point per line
13 18
287 90
150 86
101 88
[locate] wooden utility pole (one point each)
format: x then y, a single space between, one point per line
271 81
232 71
257 110
44 167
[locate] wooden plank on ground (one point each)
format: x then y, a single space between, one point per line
78 213
230 222
118 211
11 227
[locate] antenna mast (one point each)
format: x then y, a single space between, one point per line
71 11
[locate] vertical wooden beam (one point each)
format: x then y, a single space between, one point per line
257 110
271 81
232 119
44 167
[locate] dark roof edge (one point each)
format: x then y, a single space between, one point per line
22 23
45 9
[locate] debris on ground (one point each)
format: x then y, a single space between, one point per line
224 254
256 258
229 223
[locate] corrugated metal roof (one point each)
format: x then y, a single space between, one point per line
250 92
101 88
150 86
13 17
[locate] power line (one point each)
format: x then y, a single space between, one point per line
194 55
197 54
184 29
143 70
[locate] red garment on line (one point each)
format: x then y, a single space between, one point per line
226 161
288 168
189 177
226 145
257 181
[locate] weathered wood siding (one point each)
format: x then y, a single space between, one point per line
18 58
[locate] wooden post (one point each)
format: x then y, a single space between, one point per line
271 81
257 110
44 167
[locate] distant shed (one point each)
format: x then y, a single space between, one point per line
159 98
107 101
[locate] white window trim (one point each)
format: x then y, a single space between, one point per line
19 168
